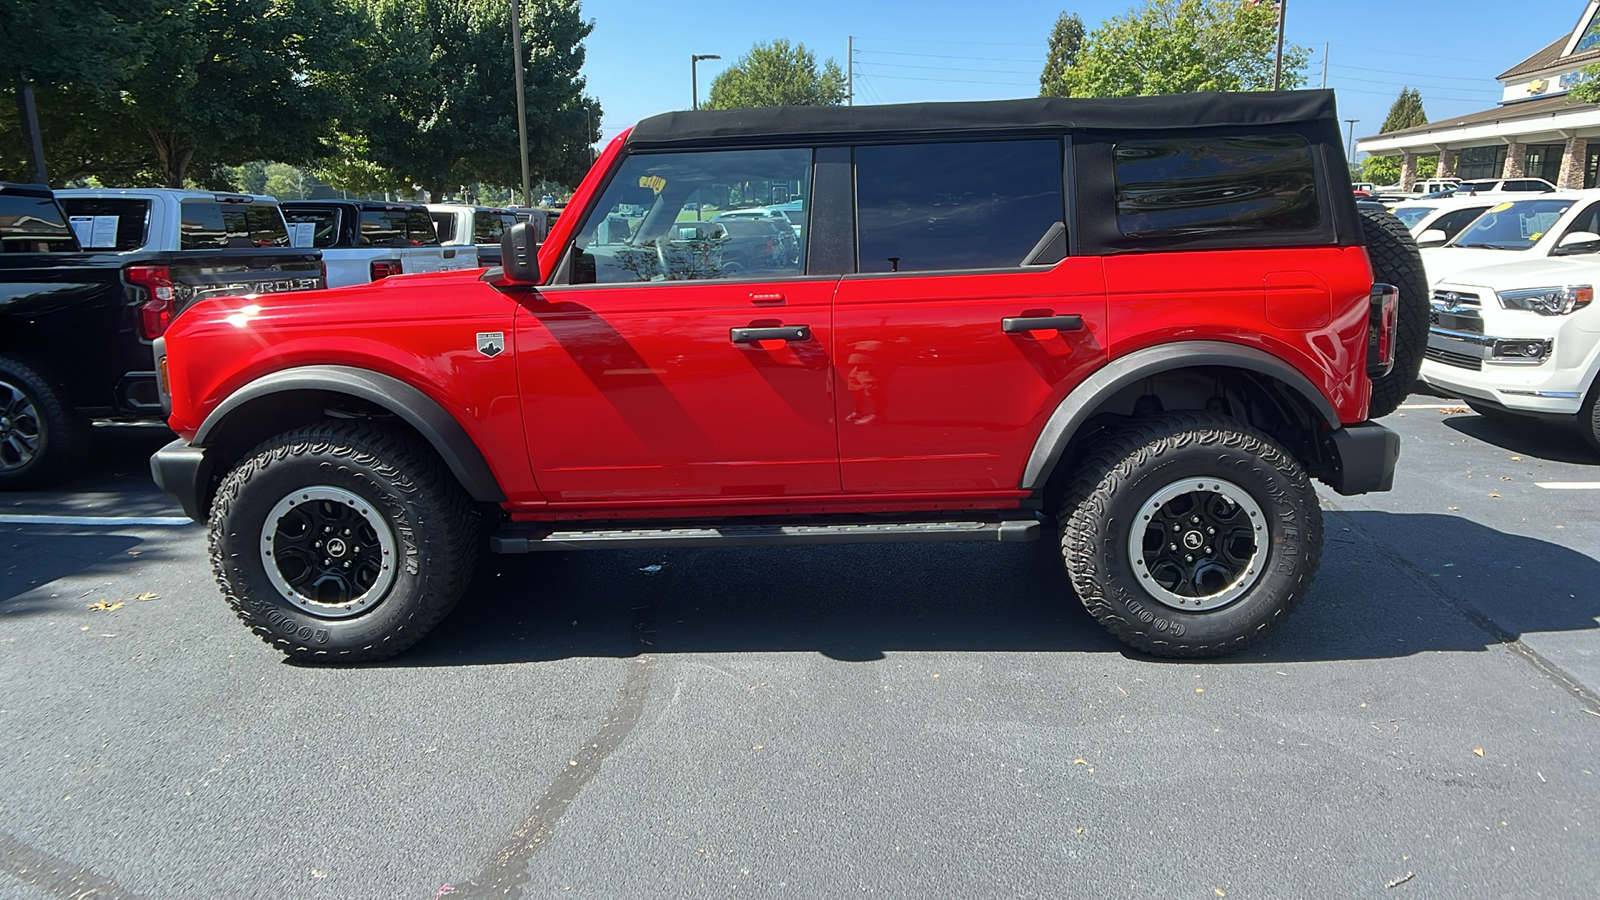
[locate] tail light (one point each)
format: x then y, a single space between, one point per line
158 310
383 268
1383 321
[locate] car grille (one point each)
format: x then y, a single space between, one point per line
1449 358
1457 311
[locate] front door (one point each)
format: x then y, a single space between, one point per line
670 367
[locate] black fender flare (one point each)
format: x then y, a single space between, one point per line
437 427
1085 399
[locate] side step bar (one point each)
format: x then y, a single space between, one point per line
521 537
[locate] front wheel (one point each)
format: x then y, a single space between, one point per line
1190 535
342 542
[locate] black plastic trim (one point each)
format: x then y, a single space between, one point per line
1368 453
183 472
420 411
529 537
1084 400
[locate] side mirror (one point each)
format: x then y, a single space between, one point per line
519 257
1433 237
1575 242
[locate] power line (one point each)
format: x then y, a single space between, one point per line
952 69
963 43
946 56
1408 74
956 80
1406 53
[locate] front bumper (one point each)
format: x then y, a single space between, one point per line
183 472
1367 454
1518 361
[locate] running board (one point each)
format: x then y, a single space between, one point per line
517 537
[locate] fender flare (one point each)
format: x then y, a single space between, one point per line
437 427
1082 401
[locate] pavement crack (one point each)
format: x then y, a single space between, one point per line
54 875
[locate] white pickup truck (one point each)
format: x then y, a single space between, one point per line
366 240
461 225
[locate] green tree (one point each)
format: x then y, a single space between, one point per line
1066 39
250 178
285 182
1178 46
778 74
1405 112
1381 170
1589 90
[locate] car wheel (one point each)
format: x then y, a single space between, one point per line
40 440
1395 260
1589 417
342 542
1190 535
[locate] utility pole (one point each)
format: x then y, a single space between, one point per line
522 96
1277 65
1324 64
850 70
1350 146
694 82
30 127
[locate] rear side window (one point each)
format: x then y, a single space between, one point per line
324 222
132 226
487 227
976 205
420 229
210 225
1190 186
384 228
33 225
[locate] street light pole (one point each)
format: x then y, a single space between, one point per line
1350 144
694 82
522 96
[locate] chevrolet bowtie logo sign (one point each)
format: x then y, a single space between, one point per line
491 343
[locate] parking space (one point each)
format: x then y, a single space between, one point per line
822 721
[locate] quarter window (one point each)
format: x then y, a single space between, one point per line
1172 188
977 205
697 216
324 222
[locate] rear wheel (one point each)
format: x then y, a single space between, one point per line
1589 417
342 542
40 440
1395 260
1190 535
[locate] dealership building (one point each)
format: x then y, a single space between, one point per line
1536 131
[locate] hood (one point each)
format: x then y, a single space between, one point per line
1544 271
1442 263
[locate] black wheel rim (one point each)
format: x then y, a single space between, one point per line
1198 544
19 428
328 552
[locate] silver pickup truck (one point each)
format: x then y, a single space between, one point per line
366 240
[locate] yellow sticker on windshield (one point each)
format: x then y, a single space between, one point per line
1501 208
1535 235
658 184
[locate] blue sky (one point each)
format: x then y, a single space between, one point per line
638 55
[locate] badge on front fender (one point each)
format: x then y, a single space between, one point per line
491 343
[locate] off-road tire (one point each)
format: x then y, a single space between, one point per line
62 438
1128 466
435 532
1588 418
1395 260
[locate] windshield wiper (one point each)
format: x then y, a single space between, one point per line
1481 246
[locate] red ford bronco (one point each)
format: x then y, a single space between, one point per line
1141 325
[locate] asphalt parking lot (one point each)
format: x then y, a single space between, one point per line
907 721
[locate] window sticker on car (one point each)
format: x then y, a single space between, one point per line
1501 208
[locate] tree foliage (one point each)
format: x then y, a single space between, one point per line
1179 46
1406 112
1066 39
1587 91
778 74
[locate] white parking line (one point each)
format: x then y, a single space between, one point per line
1454 405
1569 485
111 521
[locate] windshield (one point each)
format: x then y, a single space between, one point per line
1512 226
1411 215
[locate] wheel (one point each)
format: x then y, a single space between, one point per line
342 542
40 440
1190 535
1588 418
1395 260
1496 413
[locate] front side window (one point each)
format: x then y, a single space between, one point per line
1177 187
1411 215
1512 226
684 217
1451 223
976 205
131 226
213 225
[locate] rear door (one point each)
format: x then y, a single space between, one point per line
967 320
655 371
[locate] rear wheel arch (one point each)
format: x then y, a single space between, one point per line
1190 375
301 396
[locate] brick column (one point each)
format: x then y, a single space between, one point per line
1447 164
1516 161
1408 171
1572 162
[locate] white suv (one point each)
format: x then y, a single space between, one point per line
1521 340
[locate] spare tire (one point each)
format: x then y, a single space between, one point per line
1395 261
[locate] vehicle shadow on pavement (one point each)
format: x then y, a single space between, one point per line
32 559
1549 441
1390 585
114 480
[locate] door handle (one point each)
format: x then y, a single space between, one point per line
779 333
1025 324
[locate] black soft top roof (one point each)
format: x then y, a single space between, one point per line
1165 112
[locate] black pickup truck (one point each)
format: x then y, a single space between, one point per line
76 325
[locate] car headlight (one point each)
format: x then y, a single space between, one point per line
1551 301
